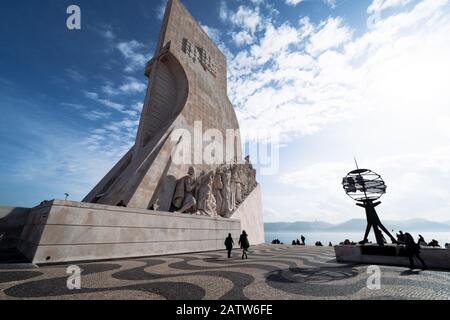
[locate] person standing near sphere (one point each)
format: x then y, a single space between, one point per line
303 240
413 251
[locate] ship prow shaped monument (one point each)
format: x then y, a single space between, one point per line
151 203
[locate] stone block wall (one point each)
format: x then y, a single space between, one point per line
64 231
12 221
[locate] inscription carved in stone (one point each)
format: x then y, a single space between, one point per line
201 56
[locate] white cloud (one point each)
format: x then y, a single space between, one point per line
75 75
380 5
330 3
96 115
132 85
108 34
247 18
293 2
223 11
115 105
213 33
70 160
274 41
109 89
91 95
331 34
75 106
132 51
161 9
241 38
381 96
105 31
323 83
138 107
111 104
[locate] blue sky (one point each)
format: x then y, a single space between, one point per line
315 72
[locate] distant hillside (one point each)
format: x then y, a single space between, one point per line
417 225
351 225
357 225
297 226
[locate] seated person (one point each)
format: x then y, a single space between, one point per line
422 241
434 244
401 237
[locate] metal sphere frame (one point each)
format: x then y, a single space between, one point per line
365 186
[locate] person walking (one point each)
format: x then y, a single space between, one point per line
229 243
245 244
413 251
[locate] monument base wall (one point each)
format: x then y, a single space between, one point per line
251 217
65 231
435 258
12 221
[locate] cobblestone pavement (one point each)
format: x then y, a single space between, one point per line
271 272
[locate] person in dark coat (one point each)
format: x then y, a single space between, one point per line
413 251
303 240
245 244
434 244
422 241
229 243
401 237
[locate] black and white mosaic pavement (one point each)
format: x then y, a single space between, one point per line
271 272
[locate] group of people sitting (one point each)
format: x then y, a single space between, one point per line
347 242
401 239
298 243
277 241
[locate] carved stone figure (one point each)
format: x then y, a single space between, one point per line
216 193
248 162
226 193
239 184
184 200
217 190
206 202
249 177
233 189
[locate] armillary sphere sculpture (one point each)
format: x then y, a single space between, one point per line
365 187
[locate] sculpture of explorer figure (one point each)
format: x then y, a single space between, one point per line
184 200
206 203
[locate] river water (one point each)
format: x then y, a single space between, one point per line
337 237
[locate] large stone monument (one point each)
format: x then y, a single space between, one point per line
152 203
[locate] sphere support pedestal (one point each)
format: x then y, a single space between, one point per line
373 221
